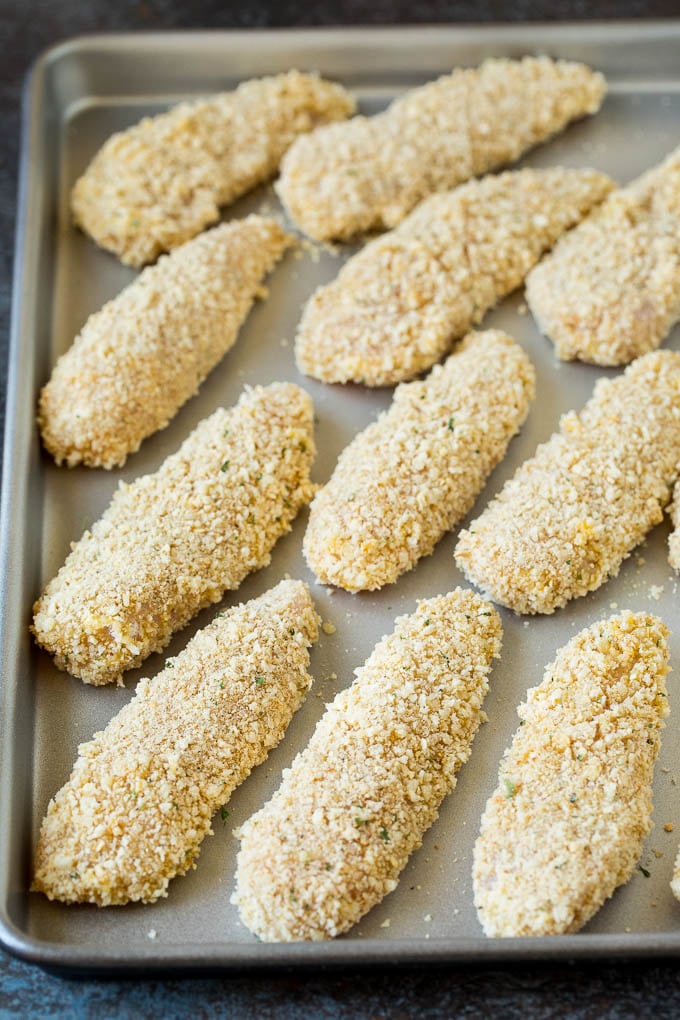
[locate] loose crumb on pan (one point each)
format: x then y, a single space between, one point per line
573 806
357 801
610 291
413 474
343 179
147 351
674 537
162 181
572 513
174 541
142 793
397 306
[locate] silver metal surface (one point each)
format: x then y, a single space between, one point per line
81 92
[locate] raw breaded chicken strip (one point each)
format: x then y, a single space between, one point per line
413 474
174 541
573 806
674 537
370 172
572 513
162 181
399 304
611 289
146 352
142 793
355 804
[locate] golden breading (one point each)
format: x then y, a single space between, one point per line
399 304
610 291
146 352
413 474
142 793
174 541
573 806
162 181
346 178
674 537
355 804
572 513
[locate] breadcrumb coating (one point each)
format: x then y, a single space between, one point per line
610 291
413 474
674 537
142 792
174 541
355 804
573 806
397 306
162 181
572 513
146 352
370 172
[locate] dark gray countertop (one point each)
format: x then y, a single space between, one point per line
614 990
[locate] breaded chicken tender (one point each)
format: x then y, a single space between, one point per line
674 537
397 306
162 181
567 822
413 474
610 291
146 352
572 513
334 838
142 793
174 541
370 172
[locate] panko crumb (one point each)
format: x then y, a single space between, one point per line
397 306
355 804
413 474
174 541
370 172
668 827
142 793
610 291
139 358
573 806
571 514
329 628
162 181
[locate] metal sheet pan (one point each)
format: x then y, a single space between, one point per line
78 94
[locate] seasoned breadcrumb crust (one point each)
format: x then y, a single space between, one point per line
174 541
610 291
674 537
370 172
355 804
142 793
146 352
567 822
572 513
397 306
413 474
161 182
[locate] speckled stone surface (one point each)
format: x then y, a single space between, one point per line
566 991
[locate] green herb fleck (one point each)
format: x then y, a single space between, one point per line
644 871
572 798
225 466
510 788
258 477
451 424
384 835
224 814
426 622
259 680
74 876
222 685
